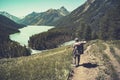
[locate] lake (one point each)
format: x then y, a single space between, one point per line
28 31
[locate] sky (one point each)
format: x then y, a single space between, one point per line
21 8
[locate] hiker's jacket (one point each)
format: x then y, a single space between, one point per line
78 47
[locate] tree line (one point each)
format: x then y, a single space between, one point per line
57 36
51 39
10 49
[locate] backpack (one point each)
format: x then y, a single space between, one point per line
78 49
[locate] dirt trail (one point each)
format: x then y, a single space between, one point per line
84 71
88 70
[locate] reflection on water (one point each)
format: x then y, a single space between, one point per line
68 43
28 31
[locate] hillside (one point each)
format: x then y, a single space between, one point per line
99 62
44 18
10 48
102 16
7 26
12 17
95 19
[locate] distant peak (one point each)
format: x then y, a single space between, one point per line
63 11
50 10
62 8
33 12
3 12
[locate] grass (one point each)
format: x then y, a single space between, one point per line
107 72
115 43
55 64
106 69
51 65
114 54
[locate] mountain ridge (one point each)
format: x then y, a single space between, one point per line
8 48
44 18
94 13
7 26
12 17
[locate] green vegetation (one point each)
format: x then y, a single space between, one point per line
49 65
115 54
55 64
7 27
114 43
110 70
50 39
8 48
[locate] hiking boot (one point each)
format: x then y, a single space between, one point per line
77 65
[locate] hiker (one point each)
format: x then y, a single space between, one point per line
78 48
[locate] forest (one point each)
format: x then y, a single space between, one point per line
8 48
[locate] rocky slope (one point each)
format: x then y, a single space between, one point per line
44 18
12 17
7 26
10 48
101 15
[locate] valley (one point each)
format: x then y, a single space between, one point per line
40 45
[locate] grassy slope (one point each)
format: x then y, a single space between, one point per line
55 64
106 70
49 65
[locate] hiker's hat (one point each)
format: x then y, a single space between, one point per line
76 39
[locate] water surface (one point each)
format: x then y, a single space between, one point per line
27 32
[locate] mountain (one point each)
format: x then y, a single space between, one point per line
44 18
95 19
101 15
63 11
14 18
10 48
7 26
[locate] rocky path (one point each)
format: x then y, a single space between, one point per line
89 70
85 70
